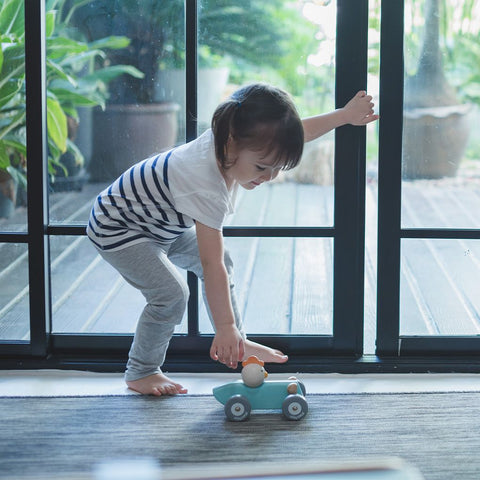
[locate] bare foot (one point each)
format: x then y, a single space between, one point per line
157 384
267 354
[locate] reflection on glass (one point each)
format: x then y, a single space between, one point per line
13 153
441 153
283 285
14 298
439 292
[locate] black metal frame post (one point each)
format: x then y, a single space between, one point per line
389 176
350 156
38 254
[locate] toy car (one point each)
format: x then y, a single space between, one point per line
253 393
240 399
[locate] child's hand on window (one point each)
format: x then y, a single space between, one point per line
359 110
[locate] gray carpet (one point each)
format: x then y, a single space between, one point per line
437 432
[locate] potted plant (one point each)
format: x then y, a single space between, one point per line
70 85
251 32
436 124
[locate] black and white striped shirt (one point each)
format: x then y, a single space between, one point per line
158 198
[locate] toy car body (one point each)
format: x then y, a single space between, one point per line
240 400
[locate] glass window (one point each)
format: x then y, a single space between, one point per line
283 285
441 150
14 296
13 153
439 292
292 46
113 102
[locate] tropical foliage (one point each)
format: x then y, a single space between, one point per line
71 82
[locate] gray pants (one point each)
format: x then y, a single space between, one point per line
151 268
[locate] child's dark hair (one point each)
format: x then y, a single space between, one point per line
259 117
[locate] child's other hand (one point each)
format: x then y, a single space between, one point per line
359 110
227 346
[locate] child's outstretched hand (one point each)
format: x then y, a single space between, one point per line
228 346
359 110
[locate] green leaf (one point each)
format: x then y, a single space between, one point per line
50 23
114 42
55 70
9 90
13 62
79 158
107 74
12 17
57 124
14 121
81 58
78 99
16 145
59 47
4 156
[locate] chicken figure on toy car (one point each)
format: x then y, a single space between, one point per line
254 393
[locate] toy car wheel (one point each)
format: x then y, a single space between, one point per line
295 407
237 408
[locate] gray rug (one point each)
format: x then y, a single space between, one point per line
52 436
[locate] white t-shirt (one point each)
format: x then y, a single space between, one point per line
162 196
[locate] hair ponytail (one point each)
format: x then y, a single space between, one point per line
221 127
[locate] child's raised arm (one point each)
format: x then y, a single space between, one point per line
358 111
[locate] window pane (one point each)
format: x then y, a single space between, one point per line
13 154
14 298
441 150
88 295
119 107
290 45
283 285
440 293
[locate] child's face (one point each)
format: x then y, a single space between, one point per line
250 169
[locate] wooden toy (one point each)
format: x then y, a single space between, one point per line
254 393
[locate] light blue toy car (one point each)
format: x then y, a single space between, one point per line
285 395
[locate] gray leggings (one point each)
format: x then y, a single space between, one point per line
151 268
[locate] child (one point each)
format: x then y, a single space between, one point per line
167 211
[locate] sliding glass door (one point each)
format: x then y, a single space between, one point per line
429 234
111 82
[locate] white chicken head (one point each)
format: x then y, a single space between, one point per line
253 373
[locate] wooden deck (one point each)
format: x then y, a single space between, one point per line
284 285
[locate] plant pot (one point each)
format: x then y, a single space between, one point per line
434 141
125 134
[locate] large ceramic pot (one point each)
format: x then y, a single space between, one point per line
436 127
434 141
125 134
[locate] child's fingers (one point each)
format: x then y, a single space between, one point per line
213 352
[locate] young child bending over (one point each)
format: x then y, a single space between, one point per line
168 210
